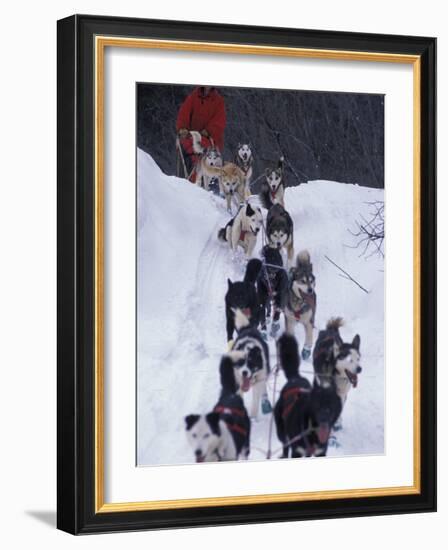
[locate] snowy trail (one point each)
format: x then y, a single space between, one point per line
182 280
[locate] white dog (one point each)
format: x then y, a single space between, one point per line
243 229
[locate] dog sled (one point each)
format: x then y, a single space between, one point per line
186 162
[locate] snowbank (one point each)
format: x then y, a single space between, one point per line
182 279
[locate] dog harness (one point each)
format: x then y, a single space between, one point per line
232 411
292 396
243 234
308 302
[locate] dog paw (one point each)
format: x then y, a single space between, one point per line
229 345
333 442
275 327
266 406
306 354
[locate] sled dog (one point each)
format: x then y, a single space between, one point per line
243 295
337 360
224 433
291 408
324 409
304 415
210 159
280 230
250 355
243 229
272 288
301 300
231 183
244 160
273 188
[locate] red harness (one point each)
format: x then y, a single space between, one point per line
232 411
294 394
237 428
298 314
243 234
309 303
229 410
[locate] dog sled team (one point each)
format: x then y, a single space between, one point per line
304 413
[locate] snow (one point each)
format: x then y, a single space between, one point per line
181 283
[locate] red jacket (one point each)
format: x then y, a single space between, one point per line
204 113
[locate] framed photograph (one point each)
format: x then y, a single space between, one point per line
246 274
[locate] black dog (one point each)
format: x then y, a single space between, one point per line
291 412
324 408
231 409
272 288
280 230
243 295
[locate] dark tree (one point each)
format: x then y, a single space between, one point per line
322 135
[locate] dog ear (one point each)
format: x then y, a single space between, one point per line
356 342
249 210
229 283
213 421
191 420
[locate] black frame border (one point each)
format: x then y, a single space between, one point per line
75 273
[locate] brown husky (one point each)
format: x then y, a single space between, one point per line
231 181
301 300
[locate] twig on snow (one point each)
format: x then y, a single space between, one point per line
347 275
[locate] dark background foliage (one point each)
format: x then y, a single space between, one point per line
322 135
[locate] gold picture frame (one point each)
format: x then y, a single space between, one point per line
98 34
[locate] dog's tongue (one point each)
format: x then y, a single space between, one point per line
353 378
247 311
245 386
323 433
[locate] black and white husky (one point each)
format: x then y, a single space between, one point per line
337 360
242 295
242 230
280 230
250 355
273 188
224 433
244 159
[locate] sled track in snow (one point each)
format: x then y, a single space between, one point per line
182 376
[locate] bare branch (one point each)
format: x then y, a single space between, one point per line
370 232
347 275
